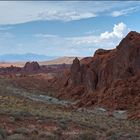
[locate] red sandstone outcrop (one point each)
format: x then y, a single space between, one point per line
31 67
110 78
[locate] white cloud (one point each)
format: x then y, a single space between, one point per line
105 38
21 12
85 45
66 16
125 11
15 12
56 45
45 35
118 31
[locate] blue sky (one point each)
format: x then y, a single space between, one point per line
65 28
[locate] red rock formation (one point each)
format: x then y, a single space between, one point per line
76 73
31 67
110 78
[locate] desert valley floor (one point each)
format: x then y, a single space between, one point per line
25 115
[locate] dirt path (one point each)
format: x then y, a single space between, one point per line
37 97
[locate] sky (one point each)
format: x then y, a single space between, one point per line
65 28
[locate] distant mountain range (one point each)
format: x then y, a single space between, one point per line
25 57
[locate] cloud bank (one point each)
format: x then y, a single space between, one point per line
16 12
125 11
85 45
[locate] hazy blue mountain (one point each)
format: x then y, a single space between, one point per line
25 57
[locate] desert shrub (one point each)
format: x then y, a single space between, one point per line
3 133
86 136
21 130
16 137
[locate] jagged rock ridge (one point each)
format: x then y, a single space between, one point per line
110 78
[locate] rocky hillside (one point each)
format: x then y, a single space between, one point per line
110 78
